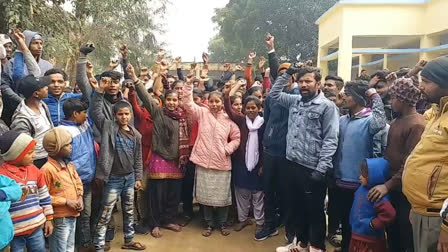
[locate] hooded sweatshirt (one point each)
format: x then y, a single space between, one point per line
368 219
43 64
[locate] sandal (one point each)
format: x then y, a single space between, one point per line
186 220
134 246
173 227
334 241
224 231
207 231
156 232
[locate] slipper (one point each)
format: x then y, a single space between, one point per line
134 246
172 227
224 231
207 231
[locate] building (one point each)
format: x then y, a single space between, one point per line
379 34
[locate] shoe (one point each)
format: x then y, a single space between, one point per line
265 233
107 246
241 225
258 228
293 247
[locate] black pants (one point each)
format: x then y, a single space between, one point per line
274 189
164 197
187 189
305 208
399 234
343 198
333 216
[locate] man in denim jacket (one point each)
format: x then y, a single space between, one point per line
312 140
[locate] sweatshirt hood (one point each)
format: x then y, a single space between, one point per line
378 169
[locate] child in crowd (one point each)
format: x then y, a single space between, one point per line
119 165
247 160
65 189
170 154
218 137
10 191
32 116
83 157
33 211
369 219
237 103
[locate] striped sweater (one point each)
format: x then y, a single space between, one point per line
34 207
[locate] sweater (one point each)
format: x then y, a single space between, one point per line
144 124
63 184
55 106
404 134
369 219
34 207
164 127
83 149
218 137
241 176
109 130
13 193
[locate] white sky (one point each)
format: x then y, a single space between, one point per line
189 27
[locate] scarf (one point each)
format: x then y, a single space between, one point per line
184 138
252 147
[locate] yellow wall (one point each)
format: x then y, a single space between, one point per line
435 18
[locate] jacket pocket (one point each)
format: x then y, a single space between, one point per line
432 181
313 120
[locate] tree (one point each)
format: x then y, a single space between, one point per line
243 25
106 23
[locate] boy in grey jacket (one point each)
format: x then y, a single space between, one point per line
119 166
312 140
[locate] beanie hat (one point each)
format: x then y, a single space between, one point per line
4 39
14 146
437 71
55 139
284 66
406 91
357 90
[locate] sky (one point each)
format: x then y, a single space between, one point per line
189 27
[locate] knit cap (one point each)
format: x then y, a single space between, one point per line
357 89
55 139
406 91
437 71
284 66
15 145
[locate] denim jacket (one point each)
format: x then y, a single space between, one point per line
313 128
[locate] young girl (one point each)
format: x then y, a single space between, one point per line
237 103
218 137
368 219
170 153
246 161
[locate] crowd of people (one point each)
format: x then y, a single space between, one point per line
287 147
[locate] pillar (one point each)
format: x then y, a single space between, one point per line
427 41
323 65
363 59
385 62
345 56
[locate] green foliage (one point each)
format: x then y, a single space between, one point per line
106 23
243 25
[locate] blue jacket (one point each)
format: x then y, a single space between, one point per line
13 193
276 118
368 219
83 149
55 106
313 127
356 134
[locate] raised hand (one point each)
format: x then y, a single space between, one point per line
309 63
124 51
113 64
86 49
178 61
89 68
267 72
18 36
205 58
131 71
190 78
261 63
104 83
270 41
238 68
227 67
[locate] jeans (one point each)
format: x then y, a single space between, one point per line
123 187
221 215
34 242
83 225
306 205
63 237
399 234
274 193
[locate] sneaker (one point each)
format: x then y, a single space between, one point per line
258 228
293 247
265 233
314 249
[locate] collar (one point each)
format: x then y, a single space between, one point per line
30 112
318 99
57 164
361 114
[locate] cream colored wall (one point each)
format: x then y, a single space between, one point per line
435 18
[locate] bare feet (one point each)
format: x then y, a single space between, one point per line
173 227
156 232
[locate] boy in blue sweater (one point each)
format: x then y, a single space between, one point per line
83 157
369 219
